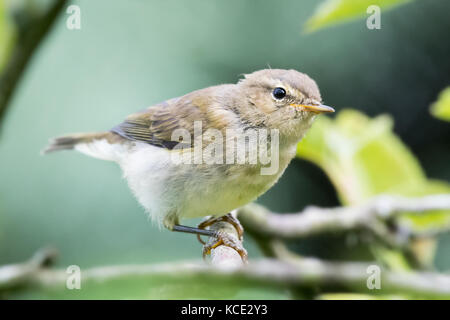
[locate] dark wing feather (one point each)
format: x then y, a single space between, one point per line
156 124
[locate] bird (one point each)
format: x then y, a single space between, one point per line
149 144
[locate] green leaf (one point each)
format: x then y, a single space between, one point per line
332 12
363 158
6 35
441 108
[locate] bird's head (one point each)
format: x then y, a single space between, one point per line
287 100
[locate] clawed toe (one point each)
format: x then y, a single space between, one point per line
223 239
226 218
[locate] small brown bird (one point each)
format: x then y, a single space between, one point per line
197 155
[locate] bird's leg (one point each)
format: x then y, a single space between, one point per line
221 238
226 218
197 231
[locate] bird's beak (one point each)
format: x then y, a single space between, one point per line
321 108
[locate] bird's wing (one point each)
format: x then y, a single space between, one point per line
156 124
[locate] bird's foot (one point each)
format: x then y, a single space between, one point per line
226 218
224 239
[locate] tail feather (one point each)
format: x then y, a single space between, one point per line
61 143
70 141
101 145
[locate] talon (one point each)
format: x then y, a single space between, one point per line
207 248
199 238
235 223
203 225
228 241
226 218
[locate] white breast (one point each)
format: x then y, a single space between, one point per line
170 191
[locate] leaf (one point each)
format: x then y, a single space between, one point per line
363 158
441 108
331 12
6 35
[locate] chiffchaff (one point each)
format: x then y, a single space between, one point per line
278 106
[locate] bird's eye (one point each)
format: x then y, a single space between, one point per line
279 93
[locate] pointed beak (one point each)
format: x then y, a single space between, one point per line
321 108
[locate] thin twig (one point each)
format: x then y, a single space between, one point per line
16 274
313 220
27 42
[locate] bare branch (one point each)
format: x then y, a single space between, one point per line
289 270
313 220
305 273
16 274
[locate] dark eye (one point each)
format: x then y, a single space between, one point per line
279 93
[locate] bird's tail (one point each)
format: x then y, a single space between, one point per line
70 141
102 145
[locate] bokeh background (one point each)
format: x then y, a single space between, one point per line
131 54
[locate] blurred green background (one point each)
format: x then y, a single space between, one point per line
131 54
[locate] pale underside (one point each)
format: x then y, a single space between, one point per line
170 191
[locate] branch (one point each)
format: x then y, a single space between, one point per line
16 274
305 273
371 216
288 271
29 36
